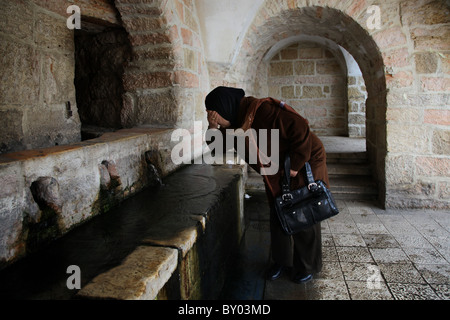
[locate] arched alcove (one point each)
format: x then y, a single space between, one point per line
334 26
101 54
320 79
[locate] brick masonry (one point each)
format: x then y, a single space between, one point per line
405 67
37 72
310 79
168 61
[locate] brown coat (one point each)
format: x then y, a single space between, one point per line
295 138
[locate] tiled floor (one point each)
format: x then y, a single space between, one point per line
368 253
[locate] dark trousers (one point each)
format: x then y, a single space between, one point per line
302 251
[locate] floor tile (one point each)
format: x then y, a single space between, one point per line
380 241
401 273
343 227
372 228
424 255
402 291
327 240
348 240
326 290
354 254
329 254
442 290
371 254
360 291
330 270
417 241
389 255
357 271
325 229
435 273
365 218
401 228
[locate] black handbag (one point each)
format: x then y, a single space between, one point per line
304 207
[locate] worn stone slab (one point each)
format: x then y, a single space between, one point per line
140 276
173 231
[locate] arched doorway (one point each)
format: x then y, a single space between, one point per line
333 26
321 80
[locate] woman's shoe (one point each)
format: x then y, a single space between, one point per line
274 272
302 278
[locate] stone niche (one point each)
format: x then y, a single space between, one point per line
101 54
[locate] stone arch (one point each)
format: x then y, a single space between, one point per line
289 19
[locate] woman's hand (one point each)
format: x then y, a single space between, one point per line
215 120
294 173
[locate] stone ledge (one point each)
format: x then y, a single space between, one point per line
140 276
203 224
176 232
175 241
138 158
117 136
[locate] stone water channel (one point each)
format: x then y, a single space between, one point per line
184 231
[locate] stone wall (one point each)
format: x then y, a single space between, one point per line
404 64
357 95
38 105
309 78
37 71
47 192
165 83
418 77
166 80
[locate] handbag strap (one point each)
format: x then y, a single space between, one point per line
309 174
286 184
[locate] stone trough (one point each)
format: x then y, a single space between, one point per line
171 242
168 241
185 253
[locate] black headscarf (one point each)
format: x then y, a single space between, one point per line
225 101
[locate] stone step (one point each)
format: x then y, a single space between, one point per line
346 157
353 188
348 169
334 170
349 174
254 181
348 187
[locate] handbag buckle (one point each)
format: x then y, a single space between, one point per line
312 186
286 197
